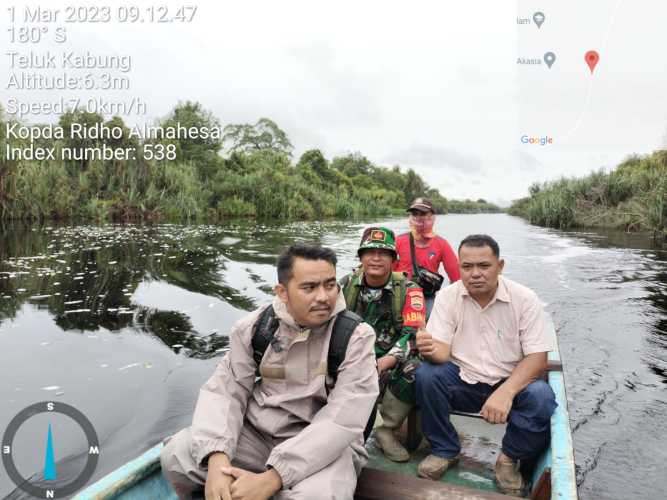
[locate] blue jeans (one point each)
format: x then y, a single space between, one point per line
440 389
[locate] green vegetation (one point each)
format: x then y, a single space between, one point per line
632 197
472 207
246 171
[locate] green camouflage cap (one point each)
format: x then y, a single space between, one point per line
377 237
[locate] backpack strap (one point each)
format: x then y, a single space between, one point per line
399 286
345 324
415 269
350 285
262 334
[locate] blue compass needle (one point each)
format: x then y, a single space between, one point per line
49 459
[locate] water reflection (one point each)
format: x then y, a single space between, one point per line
140 314
91 277
87 277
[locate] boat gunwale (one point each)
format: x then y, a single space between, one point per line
124 477
557 459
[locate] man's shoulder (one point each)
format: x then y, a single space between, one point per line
520 295
401 278
450 296
453 290
350 277
411 284
346 279
403 238
517 290
360 331
363 330
248 321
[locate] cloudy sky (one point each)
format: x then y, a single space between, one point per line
432 85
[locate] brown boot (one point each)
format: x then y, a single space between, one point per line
393 412
433 467
508 477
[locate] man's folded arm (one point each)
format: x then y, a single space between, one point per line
222 401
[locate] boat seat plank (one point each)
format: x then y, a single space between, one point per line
374 484
554 365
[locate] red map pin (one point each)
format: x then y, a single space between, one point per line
592 59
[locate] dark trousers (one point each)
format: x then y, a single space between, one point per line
440 389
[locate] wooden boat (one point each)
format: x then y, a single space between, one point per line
553 476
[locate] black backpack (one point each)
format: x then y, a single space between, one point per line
263 334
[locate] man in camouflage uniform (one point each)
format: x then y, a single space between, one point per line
393 306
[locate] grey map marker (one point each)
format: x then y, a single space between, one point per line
538 17
549 58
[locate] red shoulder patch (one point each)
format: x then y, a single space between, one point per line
414 312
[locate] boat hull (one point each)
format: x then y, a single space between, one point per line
553 475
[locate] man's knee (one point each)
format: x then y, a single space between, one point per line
337 481
539 394
177 463
425 375
335 489
175 447
537 400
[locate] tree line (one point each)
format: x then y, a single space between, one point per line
249 172
631 197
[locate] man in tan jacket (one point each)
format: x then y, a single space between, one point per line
290 433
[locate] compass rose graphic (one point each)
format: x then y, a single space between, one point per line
50 473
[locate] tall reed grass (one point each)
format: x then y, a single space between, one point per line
632 197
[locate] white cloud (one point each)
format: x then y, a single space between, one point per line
429 84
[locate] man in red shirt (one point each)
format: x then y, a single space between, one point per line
429 249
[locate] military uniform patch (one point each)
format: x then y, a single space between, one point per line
417 301
414 313
378 236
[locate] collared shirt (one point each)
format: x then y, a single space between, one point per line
487 344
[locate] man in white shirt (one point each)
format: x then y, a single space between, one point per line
485 347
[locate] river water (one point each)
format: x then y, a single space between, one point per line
126 322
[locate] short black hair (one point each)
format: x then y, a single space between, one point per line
303 251
481 240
